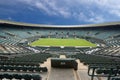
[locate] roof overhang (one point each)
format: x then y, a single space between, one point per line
58 26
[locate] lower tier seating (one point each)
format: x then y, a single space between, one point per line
100 66
20 76
23 68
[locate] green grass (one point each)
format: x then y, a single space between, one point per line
53 42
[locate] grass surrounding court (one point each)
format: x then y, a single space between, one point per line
62 42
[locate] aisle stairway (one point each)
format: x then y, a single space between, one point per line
61 74
66 74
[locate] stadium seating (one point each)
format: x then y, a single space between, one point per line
23 68
20 76
16 54
38 58
99 65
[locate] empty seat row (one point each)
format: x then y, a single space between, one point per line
18 63
37 58
23 68
21 76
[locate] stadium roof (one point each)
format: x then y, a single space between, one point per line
58 26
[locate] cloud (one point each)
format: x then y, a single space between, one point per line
92 17
111 6
116 12
42 7
52 8
97 19
82 10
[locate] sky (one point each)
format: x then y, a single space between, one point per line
60 12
